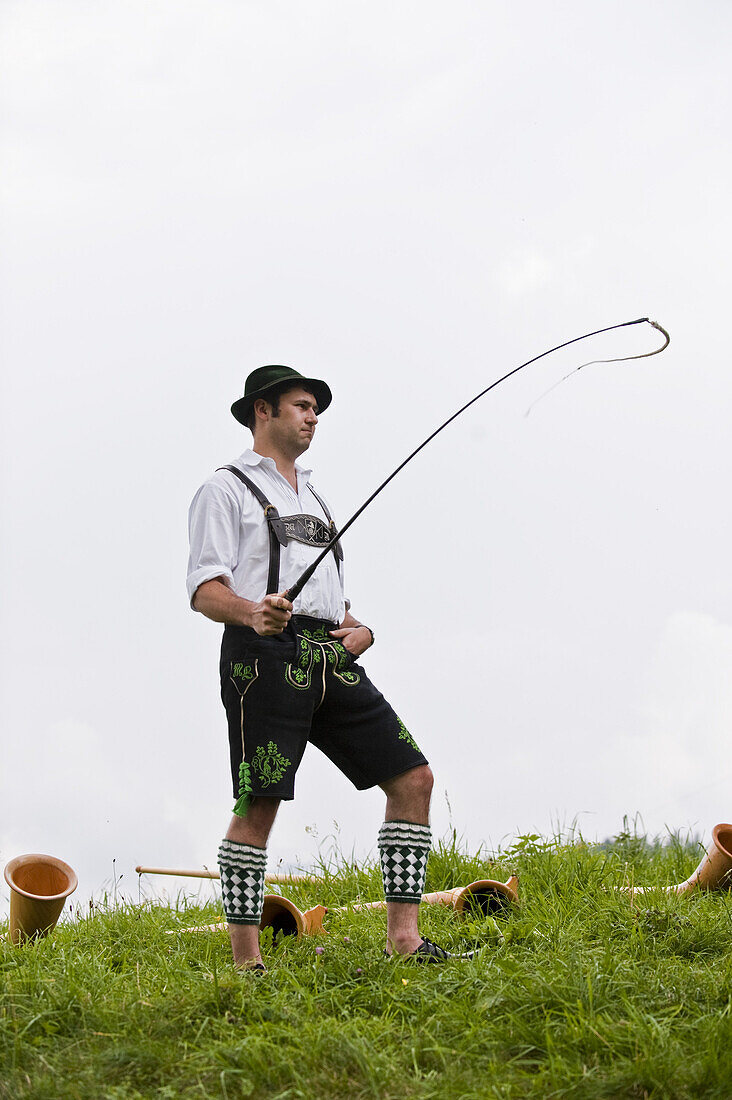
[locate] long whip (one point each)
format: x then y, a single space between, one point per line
293 592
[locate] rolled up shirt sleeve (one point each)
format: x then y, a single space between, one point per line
213 532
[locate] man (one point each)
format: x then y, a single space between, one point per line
288 673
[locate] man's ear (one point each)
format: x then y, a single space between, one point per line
261 408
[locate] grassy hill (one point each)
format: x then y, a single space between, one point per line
578 993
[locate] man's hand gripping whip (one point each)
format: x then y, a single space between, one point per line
293 592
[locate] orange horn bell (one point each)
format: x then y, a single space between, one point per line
714 871
487 895
281 915
39 886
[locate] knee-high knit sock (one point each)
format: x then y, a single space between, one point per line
404 848
242 881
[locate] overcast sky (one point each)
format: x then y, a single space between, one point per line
408 200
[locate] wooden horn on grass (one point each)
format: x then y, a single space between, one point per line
713 873
280 914
486 895
39 886
277 877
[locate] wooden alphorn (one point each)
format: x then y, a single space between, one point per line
713 873
486 895
282 877
39 886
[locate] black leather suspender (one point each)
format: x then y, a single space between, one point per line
337 549
276 528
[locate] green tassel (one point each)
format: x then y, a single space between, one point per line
245 789
242 805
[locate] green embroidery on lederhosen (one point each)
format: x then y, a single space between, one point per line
269 764
340 658
298 672
405 735
242 675
316 646
320 634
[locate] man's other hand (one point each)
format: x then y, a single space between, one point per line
356 639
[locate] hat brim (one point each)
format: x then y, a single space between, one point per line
320 390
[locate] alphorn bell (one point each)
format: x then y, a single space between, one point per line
713 873
281 915
486 896
39 886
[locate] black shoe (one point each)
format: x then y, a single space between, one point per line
255 968
429 952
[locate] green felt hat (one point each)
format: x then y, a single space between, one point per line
264 378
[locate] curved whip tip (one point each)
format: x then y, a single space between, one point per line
661 329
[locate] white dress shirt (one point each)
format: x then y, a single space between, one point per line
229 538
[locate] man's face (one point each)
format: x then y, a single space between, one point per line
293 429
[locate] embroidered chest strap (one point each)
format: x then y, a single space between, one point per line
281 530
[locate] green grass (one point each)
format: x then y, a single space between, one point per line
578 993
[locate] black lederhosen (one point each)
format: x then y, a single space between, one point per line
284 690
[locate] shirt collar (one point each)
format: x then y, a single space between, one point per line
251 458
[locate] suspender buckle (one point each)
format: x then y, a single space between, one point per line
275 523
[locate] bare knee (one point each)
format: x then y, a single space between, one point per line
410 792
254 828
418 781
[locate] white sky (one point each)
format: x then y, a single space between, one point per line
407 200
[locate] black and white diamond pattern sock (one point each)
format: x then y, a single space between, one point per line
242 870
404 849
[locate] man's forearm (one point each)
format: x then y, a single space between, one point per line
216 601
350 621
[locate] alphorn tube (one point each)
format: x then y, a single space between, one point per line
276 877
280 914
713 873
39 886
486 895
